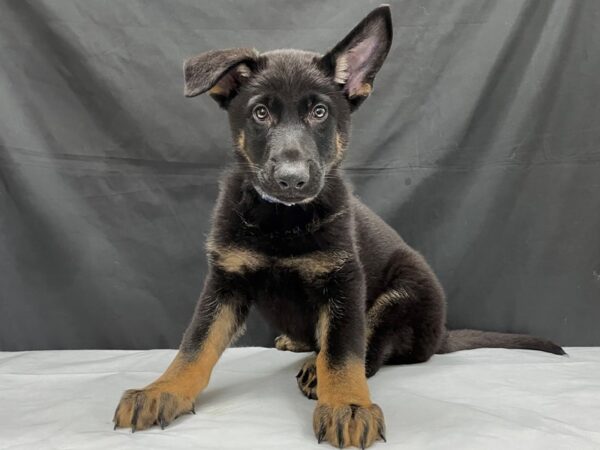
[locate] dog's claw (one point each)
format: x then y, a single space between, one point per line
115 427
364 437
193 410
321 435
381 431
132 429
340 434
299 373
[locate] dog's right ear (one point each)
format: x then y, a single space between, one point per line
220 72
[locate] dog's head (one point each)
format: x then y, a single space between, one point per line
289 110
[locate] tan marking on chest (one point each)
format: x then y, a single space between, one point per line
316 264
309 266
235 259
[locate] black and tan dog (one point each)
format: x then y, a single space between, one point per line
289 237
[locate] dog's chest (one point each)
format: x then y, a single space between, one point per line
286 287
310 266
287 303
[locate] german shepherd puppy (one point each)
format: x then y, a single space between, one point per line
289 237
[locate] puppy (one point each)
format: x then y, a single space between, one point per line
289 238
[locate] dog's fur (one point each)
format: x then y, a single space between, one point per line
289 237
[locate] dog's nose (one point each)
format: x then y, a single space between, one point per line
291 175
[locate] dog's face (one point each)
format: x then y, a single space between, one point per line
289 110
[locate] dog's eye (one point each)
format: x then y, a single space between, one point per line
319 112
260 113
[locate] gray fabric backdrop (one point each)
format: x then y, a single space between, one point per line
480 145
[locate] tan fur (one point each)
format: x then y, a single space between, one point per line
217 90
349 426
241 146
174 392
235 260
285 343
322 327
345 415
310 266
340 147
363 90
342 385
379 305
315 264
189 377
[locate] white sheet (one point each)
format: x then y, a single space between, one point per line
479 399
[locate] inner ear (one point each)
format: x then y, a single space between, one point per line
229 84
220 72
356 59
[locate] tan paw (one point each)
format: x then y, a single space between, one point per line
307 379
285 343
348 425
142 408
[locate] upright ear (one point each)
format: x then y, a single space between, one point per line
220 72
356 59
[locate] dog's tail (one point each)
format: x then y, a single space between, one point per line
456 340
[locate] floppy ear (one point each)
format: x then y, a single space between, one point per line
356 59
220 72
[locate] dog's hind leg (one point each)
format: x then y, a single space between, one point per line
405 323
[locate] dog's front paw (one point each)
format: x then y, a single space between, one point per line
348 425
142 408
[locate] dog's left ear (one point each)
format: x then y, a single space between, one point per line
356 59
220 72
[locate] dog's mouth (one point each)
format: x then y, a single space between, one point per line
284 200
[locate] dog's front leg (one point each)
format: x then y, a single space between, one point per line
219 315
345 415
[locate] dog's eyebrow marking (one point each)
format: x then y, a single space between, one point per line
235 259
315 264
388 298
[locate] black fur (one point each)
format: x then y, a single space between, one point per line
289 237
288 81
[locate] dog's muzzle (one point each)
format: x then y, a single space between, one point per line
290 182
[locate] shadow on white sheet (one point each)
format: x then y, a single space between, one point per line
479 399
